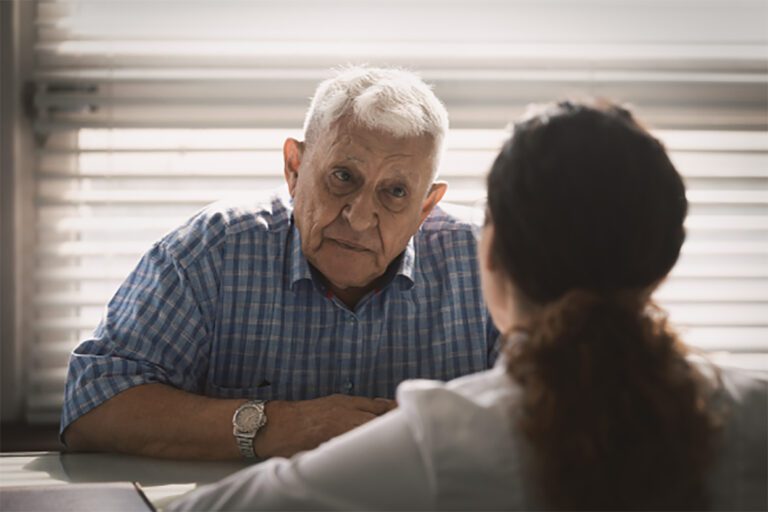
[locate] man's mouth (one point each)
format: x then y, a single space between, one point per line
351 246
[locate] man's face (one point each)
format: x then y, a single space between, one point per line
359 196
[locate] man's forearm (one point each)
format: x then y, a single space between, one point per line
160 421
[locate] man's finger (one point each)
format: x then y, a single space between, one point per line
375 406
391 404
364 418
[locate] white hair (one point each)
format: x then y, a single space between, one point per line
392 100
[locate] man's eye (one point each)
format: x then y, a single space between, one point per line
398 192
342 175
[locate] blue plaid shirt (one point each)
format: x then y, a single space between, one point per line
227 306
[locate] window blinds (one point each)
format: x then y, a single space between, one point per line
145 112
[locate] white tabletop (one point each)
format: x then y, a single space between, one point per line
162 480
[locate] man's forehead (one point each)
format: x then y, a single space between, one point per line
356 143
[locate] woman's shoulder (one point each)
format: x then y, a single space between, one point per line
465 431
733 385
739 400
486 389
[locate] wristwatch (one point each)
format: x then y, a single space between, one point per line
246 423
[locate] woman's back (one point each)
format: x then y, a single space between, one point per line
479 461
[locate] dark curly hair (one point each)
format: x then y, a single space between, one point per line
588 214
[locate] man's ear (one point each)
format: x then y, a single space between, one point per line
293 151
436 193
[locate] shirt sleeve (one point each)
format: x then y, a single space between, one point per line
154 331
375 467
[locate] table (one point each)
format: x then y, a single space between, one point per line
162 480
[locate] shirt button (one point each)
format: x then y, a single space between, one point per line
349 385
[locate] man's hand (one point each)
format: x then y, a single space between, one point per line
302 425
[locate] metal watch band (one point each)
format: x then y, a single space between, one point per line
245 433
245 444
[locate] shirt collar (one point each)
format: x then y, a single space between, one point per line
299 269
407 268
298 266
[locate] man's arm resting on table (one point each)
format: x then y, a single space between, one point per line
162 421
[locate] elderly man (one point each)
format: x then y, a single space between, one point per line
262 330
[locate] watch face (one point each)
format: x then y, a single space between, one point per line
248 419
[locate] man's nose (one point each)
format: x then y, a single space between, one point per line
360 213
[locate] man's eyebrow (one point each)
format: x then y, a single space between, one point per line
398 155
401 176
354 158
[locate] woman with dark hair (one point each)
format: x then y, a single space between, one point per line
596 403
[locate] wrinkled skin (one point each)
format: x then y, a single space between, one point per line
359 196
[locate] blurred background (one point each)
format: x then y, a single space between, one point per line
122 118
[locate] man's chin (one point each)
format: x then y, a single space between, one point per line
341 278
349 283
347 272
